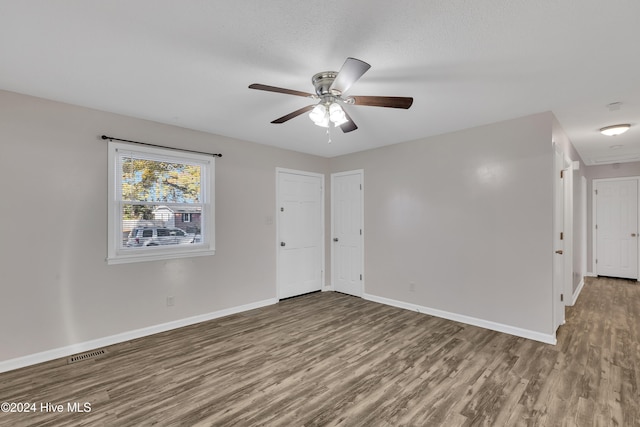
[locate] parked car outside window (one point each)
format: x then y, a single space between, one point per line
156 236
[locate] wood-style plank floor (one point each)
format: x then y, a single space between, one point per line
331 359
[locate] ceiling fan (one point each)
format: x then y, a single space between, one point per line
330 87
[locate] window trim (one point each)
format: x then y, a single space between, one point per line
118 255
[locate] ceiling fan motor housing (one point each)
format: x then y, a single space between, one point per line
323 81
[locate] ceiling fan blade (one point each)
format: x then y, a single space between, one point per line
351 71
294 114
383 101
348 126
259 86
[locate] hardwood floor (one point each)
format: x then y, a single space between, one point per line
331 359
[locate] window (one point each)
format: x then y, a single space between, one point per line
151 193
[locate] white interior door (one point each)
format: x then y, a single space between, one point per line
300 231
616 227
558 242
347 265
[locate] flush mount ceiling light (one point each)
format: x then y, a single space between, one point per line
615 129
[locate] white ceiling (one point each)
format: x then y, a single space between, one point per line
465 62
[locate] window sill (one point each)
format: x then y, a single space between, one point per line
157 256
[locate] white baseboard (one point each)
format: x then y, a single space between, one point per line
590 274
45 356
512 330
576 293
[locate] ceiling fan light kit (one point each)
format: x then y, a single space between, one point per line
320 116
615 129
336 115
330 87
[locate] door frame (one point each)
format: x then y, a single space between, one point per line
594 206
569 253
337 174
562 267
280 170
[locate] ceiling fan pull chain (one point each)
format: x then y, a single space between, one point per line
329 135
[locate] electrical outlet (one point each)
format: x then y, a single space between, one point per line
412 286
171 301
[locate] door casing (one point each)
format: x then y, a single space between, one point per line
594 216
562 222
321 257
359 292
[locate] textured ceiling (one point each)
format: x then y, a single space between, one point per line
466 63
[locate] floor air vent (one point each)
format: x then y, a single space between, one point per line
86 356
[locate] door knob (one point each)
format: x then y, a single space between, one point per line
633 234
282 244
335 239
559 252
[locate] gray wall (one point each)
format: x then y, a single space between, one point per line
57 289
467 216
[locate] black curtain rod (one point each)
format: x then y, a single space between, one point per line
159 146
